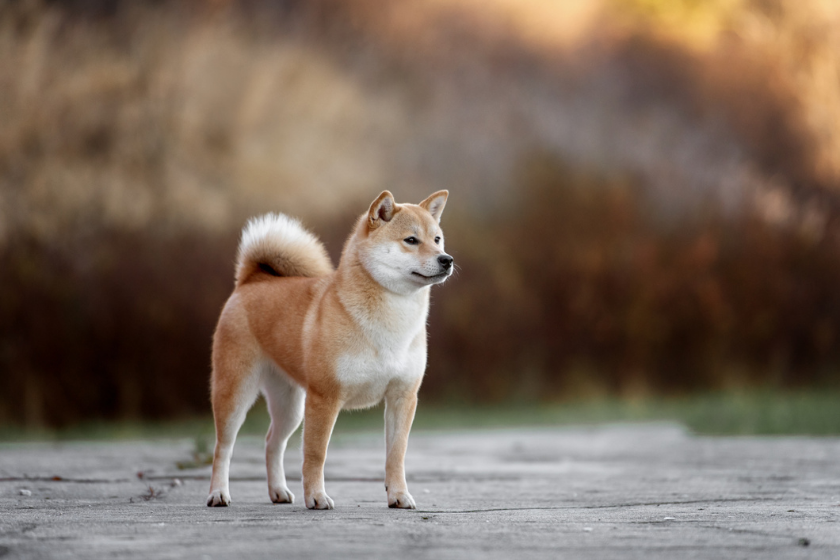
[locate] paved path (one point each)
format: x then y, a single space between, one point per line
625 491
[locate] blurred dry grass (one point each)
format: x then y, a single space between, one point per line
645 192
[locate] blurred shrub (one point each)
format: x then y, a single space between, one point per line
116 326
577 288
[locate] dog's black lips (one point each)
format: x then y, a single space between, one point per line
441 275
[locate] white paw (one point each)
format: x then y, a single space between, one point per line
319 500
218 498
281 495
401 500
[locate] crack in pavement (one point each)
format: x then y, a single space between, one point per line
603 506
749 532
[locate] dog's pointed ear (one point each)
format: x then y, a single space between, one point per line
382 209
435 203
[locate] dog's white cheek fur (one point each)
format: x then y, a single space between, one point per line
391 267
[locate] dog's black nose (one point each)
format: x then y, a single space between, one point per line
445 261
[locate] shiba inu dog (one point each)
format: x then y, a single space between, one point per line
314 340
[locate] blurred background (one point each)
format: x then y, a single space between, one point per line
644 193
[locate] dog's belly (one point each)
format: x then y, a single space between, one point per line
366 376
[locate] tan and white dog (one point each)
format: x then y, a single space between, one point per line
315 340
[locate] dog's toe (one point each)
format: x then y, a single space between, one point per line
218 498
402 500
319 500
281 495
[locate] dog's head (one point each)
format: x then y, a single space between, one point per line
403 248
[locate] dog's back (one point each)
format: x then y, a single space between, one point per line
277 269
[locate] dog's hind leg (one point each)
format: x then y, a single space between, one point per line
236 382
285 404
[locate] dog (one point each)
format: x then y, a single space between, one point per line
315 340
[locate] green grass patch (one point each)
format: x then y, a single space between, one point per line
814 413
756 413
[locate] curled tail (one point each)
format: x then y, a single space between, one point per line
278 245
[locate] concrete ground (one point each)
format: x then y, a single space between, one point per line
623 491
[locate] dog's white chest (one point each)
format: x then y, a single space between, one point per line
390 354
365 377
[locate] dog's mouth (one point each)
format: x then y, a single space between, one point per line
440 276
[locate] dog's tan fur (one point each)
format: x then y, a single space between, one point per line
345 338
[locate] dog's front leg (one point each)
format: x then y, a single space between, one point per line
320 415
399 415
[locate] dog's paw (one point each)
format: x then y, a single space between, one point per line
281 495
319 500
218 498
401 500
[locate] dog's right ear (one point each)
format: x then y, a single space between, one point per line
382 210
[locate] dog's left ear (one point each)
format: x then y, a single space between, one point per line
381 210
435 203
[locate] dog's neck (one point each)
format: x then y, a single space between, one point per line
372 305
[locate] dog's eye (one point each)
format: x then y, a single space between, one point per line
411 240
437 240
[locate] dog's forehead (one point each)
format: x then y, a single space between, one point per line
416 220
